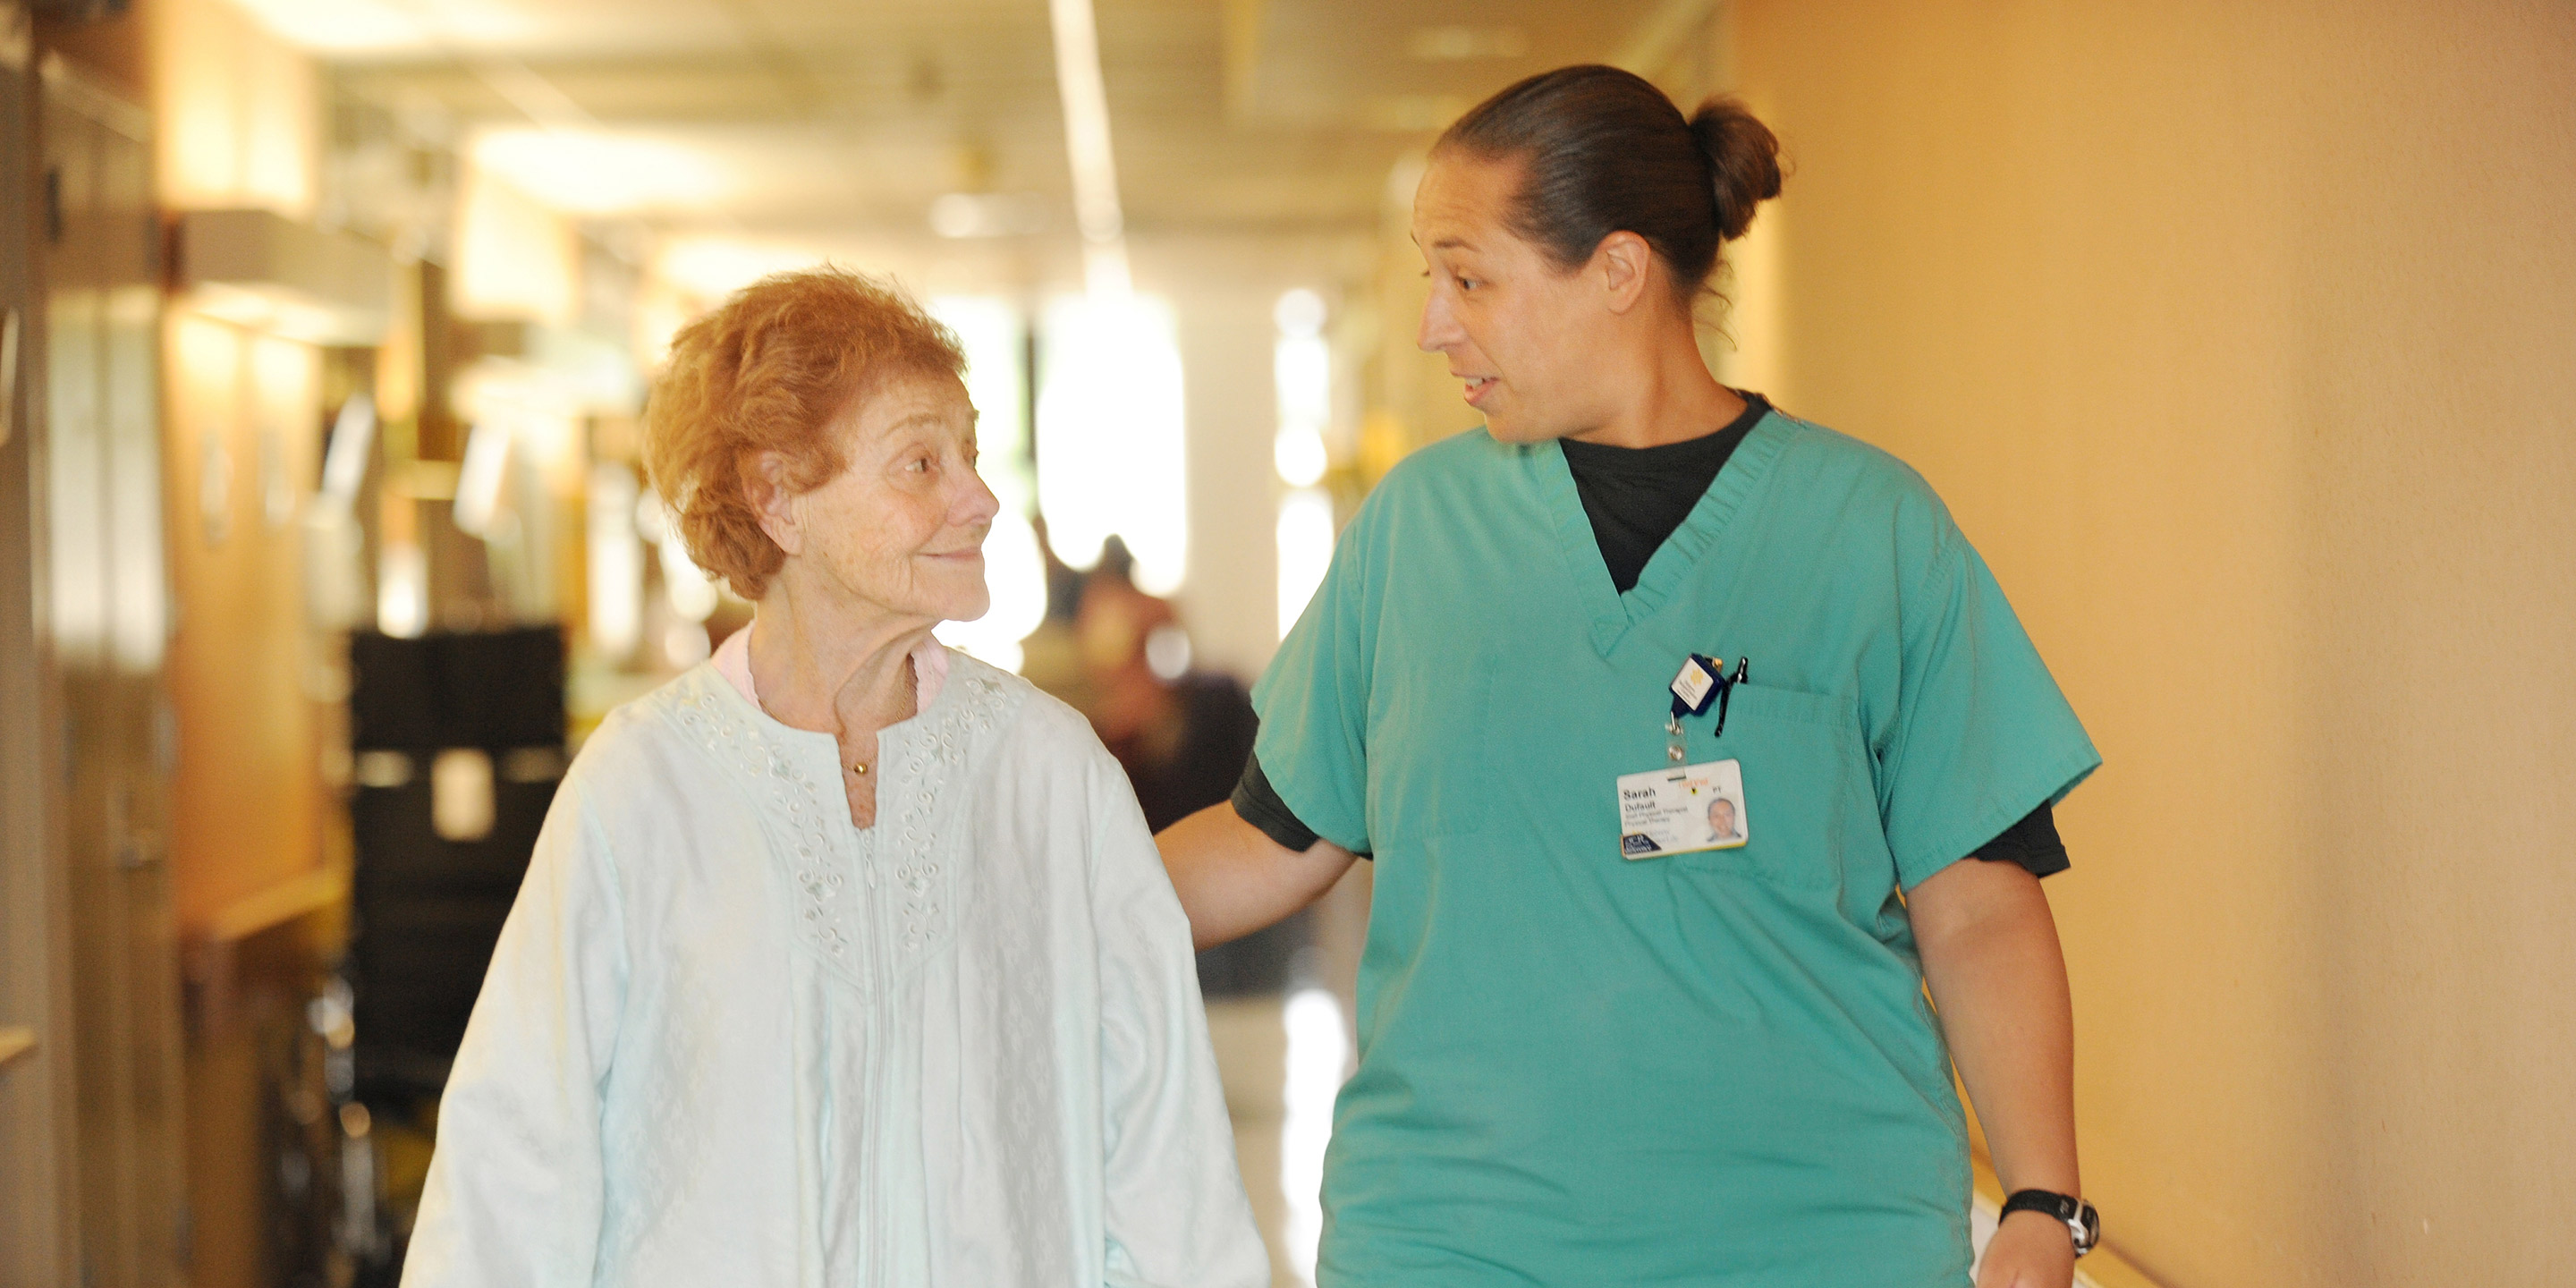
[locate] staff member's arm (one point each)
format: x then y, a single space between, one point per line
1233 879
1991 957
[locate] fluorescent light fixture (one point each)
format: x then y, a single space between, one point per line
1085 97
513 258
711 268
1463 44
959 215
344 461
595 172
478 480
343 27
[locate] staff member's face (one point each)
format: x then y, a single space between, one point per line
1519 330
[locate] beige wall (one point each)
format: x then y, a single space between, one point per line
2242 339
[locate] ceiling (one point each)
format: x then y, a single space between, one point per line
787 116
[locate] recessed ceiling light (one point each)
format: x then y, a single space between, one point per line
1411 112
984 214
594 172
1462 44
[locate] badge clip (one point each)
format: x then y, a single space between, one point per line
1703 680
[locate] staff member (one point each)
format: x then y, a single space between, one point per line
1594 1047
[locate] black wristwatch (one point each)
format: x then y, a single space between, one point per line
2082 1222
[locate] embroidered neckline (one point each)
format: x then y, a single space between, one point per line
913 857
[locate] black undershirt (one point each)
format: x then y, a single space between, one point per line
1635 498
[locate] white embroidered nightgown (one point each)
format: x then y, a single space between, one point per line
730 1039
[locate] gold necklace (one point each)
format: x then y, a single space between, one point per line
912 685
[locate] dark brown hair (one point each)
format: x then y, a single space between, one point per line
1603 151
768 371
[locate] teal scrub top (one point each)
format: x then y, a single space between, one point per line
1702 1068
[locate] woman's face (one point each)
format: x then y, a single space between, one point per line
1520 331
902 525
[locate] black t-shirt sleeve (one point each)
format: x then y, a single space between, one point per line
1258 803
2033 843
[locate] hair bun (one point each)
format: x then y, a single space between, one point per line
1743 161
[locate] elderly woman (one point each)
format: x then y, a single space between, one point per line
842 959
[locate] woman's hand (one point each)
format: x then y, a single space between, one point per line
1233 879
2029 1250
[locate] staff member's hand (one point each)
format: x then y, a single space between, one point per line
2029 1250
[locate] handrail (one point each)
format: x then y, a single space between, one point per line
213 942
14 1043
283 902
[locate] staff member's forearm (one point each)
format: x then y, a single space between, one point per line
1991 957
1233 879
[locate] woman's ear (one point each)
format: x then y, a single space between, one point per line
765 486
1624 265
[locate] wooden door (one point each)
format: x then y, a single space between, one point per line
107 596
39 1244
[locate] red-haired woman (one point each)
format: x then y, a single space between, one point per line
842 960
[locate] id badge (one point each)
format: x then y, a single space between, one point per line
1681 809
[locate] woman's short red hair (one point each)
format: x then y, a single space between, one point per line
769 371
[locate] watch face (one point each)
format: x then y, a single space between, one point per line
2086 1227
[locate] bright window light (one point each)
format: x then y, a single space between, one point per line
996 343
692 594
1301 370
1299 313
1110 435
513 257
616 562
1305 551
1299 455
1318 1052
1015 573
995 339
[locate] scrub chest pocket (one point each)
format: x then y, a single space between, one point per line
1806 786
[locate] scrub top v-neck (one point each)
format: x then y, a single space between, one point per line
1712 1067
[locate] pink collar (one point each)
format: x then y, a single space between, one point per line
929 668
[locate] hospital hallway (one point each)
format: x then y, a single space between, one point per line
2239 339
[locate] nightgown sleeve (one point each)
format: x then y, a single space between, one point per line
514 1193
1174 1208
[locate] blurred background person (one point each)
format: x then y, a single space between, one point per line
1182 734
